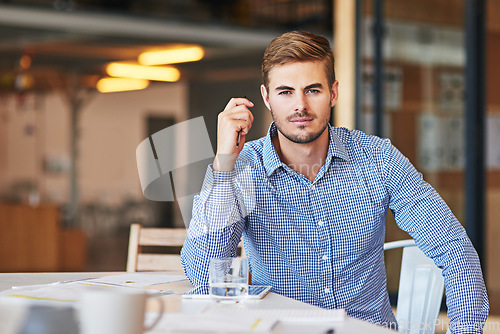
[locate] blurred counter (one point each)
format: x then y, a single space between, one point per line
32 240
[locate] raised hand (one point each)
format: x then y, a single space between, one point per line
232 127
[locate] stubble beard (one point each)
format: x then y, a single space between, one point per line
300 139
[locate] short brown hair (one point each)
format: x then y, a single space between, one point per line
296 46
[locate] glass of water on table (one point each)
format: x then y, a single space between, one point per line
228 279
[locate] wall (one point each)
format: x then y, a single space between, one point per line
35 128
112 127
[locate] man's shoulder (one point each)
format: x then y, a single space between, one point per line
360 145
357 137
253 151
254 147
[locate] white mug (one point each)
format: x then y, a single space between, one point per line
114 310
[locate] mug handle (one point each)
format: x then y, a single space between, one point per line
160 315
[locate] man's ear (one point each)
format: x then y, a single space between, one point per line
334 93
265 96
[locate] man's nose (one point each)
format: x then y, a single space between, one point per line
300 102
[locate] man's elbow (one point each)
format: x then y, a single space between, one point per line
195 277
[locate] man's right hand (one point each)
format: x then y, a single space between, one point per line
236 120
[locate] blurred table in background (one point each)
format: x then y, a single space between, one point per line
32 240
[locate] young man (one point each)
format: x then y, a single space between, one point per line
310 200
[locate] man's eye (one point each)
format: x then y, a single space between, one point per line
284 92
313 91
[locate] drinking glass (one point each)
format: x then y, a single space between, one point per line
228 279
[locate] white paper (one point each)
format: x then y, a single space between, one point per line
492 141
137 280
206 323
429 143
313 315
70 292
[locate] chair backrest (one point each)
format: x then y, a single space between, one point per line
149 236
421 286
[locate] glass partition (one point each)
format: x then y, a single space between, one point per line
423 112
492 143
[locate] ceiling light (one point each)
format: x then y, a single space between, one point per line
25 62
157 73
109 85
172 55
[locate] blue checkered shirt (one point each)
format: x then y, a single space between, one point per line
322 242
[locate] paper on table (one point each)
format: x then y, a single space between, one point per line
54 292
68 293
205 323
71 291
285 315
137 280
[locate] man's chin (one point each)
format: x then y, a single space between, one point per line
302 138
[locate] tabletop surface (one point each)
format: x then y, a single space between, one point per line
12 311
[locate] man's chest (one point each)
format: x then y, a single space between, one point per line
344 206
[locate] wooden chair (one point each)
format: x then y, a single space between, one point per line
141 237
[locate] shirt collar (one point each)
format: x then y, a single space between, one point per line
272 161
336 147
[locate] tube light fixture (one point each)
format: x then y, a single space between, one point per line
178 54
109 85
156 73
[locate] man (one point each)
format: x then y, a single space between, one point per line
310 200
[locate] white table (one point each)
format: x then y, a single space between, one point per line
12 310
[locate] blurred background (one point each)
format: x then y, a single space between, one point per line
423 73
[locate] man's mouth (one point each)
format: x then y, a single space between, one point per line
301 120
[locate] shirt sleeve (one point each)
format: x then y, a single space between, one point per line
216 224
420 211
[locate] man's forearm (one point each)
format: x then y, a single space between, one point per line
216 226
467 300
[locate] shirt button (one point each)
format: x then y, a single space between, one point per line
205 229
325 257
320 223
327 290
313 187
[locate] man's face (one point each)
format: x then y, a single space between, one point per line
300 100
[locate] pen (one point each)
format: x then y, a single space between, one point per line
239 138
239 133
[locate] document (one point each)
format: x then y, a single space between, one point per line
233 319
70 291
207 323
137 280
284 315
